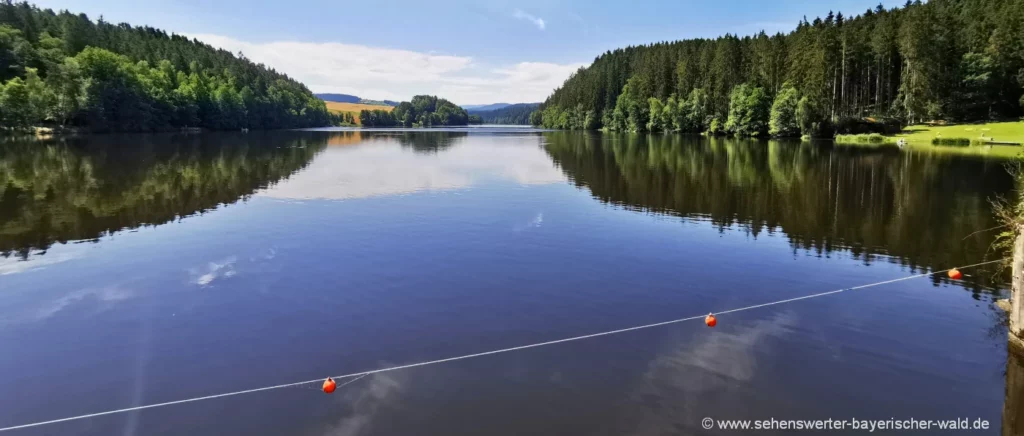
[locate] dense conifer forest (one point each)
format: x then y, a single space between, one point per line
62 69
511 114
954 60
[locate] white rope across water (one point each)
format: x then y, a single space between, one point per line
359 375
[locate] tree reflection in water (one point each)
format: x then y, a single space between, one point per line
83 188
907 207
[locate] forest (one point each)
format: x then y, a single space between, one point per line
422 111
64 70
512 114
952 60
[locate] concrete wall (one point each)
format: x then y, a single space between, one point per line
1017 297
1013 405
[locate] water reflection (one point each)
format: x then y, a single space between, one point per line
423 141
81 189
915 208
430 142
910 207
708 372
440 161
84 188
449 244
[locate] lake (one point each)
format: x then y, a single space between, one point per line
140 269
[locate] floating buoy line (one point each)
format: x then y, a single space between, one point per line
710 320
329 384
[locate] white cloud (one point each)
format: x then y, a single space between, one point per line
537 21
698 374
384 73
525 82
85 301
13 265
537 221
363 402
214 270
104 295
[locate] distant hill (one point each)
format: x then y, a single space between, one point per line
508 114
379 102
346 98
485 107
340 98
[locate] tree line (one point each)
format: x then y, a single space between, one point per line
513 114
958 60
345 119
422 111
62 69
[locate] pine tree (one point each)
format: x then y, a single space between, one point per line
953 59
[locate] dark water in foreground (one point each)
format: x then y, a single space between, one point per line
143 269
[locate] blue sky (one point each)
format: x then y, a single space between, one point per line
469 52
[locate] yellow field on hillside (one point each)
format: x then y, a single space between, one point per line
354 108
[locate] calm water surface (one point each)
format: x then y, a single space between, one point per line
150 268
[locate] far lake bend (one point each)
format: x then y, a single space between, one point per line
140 269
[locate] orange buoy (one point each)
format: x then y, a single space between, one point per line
710 320
955 274
329 385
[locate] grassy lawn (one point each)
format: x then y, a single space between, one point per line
919 139
1003 132
993 151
